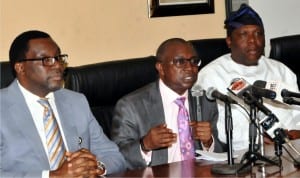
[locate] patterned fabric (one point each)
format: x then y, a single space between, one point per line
184 131
54 140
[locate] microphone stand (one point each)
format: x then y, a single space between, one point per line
231 168
261 136
252 155
228 129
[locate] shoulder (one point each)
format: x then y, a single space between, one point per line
217 65
69 95
214 72
143 92
10 93
278 65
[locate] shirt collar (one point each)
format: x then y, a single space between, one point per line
169 96
29 96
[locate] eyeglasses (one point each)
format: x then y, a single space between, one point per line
181 62
50 61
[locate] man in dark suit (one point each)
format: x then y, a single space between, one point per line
145 121
83 150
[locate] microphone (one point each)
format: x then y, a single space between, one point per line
290 100
250 99
279 88
287 93
270 123
239 86
196 93
260 92
212 94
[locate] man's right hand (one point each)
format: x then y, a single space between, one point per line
159 137
81 163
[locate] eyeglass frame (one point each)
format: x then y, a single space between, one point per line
178 65
54 59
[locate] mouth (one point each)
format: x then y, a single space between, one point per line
57 77
252 51
189 78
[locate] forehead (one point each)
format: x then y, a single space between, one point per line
248 28
42 45
178 48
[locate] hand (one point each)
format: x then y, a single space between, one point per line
267 139
159 137
81 163
202 131
293 134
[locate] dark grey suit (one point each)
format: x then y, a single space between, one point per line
141 110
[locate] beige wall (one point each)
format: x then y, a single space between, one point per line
101 30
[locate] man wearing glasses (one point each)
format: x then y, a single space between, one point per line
154 125
48 131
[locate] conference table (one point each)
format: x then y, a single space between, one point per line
203 168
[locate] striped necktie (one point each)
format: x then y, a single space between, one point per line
56 149
184 131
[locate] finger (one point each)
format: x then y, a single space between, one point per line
169 140
203 124
164 125
83 163
70 156
192 123
201 131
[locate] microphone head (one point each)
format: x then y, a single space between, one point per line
238 86
209 93
260 83
196 91
261 92
285 93
288 100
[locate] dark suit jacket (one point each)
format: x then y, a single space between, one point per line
141 110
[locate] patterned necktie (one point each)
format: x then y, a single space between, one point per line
185 136
54 140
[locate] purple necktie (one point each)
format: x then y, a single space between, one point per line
185 136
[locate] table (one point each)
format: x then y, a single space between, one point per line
202 168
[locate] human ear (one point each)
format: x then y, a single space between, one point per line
19 68
228 41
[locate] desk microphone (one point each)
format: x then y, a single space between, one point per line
212 94
287 93
196 93
279 88
239 86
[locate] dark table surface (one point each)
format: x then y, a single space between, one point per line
203 168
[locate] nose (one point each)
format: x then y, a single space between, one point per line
188 65
251 38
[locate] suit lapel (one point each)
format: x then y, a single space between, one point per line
65 112
157 116
155 102
22 118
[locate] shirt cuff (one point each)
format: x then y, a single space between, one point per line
211 148
45 174
146 155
